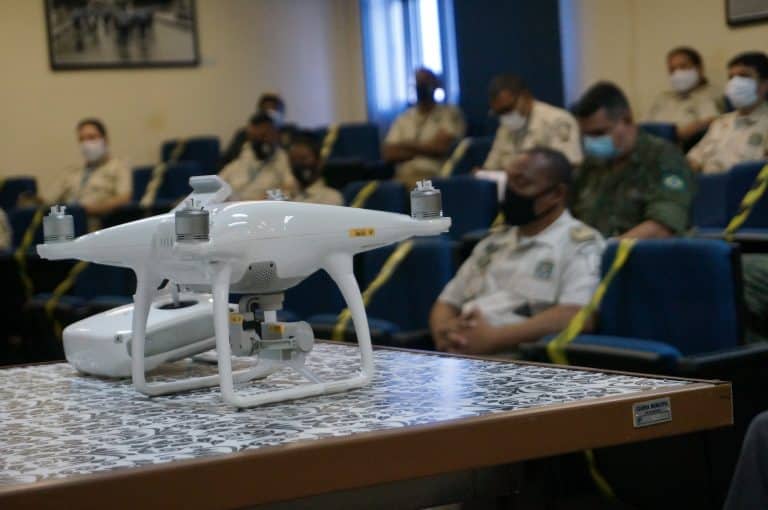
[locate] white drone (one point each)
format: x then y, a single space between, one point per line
206 245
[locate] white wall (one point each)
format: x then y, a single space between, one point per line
626 41
309 50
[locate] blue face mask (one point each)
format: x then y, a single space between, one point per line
600 147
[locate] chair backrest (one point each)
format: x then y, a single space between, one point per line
99 280
205 150
740 180
663 130
389 196
708 208
685 292
471 203
357 141
315 295
407 297
175 180
21 218
475 156
12 187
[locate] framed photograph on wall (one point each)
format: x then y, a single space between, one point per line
739 12
98 34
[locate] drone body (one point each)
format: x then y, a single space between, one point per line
258 249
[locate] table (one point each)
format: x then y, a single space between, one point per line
68 439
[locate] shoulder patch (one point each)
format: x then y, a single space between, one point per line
673 182
563 130
581 233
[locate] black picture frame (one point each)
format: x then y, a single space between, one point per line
741 12
121 34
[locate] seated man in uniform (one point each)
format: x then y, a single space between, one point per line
102 183
525 122
261 165
528 279
304 154
274 106
421 138
631 184
741 135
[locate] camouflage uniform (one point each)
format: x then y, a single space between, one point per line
92 186
655 183
511 278
547 126
414 126
319 193
682 109
250 178
731 139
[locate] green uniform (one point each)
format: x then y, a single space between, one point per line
655 183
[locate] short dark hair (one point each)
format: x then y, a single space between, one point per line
307 139
757 60
96 123
270 97
556 166
509 82
261 118
689 52
602 95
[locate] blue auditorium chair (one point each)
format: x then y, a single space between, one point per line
661 129
675 307
475 155
317 294
399 310
175 183
21 218
359 141
471 203
202 149
12 187
708 209
740 180
389 196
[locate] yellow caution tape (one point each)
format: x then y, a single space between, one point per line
364 194
21 252
449 166
556 346
748 203
385 273
158 174
61 289
328 142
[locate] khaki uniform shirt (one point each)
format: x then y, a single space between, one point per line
732 139
511 278
319 193
89 187
683 109
414 126
547 126
250 178
655 183
5 231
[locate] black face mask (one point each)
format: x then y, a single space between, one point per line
305 175
520 210
262 150
424 93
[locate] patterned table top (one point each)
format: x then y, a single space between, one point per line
55 423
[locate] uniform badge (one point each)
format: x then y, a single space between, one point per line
582 233
544 269
755 139
563 130
673 182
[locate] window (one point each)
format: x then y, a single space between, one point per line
400 36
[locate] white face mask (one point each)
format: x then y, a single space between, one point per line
513 120
276 115
684 80
93 150
741 91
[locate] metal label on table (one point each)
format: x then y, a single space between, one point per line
651 412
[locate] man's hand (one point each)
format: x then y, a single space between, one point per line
475 335
441 333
